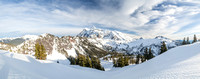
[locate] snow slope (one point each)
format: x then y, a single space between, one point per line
178 63
19 66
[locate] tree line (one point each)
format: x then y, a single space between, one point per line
86 61
185 42
119 60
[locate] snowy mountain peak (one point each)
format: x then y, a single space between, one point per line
93 27
30 37
105 34
160 37
46 34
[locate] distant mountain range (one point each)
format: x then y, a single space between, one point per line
92 42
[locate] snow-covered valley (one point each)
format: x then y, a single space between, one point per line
180 62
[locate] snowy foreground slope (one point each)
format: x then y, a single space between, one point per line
180 62
19 66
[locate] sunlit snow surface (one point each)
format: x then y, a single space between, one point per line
178 63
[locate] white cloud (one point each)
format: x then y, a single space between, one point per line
132 15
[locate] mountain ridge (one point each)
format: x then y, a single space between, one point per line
92 42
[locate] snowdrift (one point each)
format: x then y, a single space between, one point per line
181 62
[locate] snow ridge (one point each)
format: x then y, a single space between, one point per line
125 43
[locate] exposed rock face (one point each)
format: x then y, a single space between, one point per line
62 45
92 42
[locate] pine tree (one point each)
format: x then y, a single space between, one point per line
142 58
72 60
184 42
150 55
81 60
40 52
93 62
126 59
132 60
88 62
37 50
163 48
138 59
120 62
188 41
146 53
195 39
96 64
43 53
114 63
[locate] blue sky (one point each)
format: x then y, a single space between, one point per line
144 18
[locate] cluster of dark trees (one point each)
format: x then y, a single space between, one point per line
148 54
40 52
188 41
163 48
86 61
123 61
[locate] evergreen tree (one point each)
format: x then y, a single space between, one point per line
150 55
132 60
114 63
188 41
138 59
88 62
184 42
96 64
93 62
126 59
43 53
99 65
146 53
120 62
72 60
195 39
37 50
142 58
40 52
163 48
81 60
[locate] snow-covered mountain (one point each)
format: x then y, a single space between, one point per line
93 42
125 43
66 45
177 63
105 34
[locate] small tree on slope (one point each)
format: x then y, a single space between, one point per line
188 41
163 48
195 39
184 42
150 55
146 53
40 52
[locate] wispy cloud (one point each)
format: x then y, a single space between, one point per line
145 18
